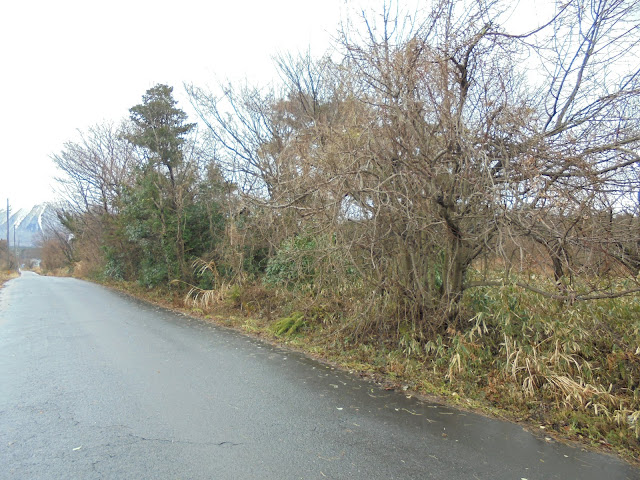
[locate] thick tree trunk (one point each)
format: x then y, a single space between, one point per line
454 271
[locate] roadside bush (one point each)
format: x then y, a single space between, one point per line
293 264
581 357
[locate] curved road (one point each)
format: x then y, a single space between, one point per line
95 385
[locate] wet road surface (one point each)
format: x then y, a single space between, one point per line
96 385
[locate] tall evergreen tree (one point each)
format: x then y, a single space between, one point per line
166 178
161 128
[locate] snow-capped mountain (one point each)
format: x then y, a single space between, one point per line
29 224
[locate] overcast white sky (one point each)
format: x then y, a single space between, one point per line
69 64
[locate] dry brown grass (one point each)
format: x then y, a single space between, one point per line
6 275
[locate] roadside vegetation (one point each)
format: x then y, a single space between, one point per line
8 264
6 275
447 202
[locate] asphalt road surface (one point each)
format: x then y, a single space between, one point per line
95 385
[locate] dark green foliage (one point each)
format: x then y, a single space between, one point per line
256 260
161 126
170 212
114 263
293 264
153 273
203 227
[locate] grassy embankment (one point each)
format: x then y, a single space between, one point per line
6 275
571 371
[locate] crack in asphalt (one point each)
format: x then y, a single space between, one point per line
139 438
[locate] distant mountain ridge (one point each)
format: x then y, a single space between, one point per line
29 224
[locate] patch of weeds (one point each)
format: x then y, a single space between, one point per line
290 325
234 296
249 325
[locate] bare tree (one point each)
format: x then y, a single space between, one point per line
582 180
94 172
96 167
427 148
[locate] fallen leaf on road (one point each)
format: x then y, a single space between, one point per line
412 413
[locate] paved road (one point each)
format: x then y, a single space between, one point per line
95 385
